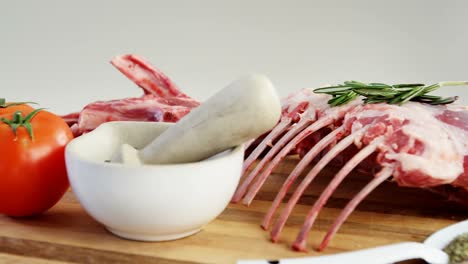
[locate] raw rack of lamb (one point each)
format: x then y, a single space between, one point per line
415 144
162 100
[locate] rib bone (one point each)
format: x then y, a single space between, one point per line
380 177
242 189
343 144
301 240
311 154
260 180
149 78
267 141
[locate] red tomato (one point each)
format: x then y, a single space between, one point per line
33 174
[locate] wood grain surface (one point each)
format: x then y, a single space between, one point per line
67 234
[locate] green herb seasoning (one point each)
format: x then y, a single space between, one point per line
458 249
385 93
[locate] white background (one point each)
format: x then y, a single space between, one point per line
57 52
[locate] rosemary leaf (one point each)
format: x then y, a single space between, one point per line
355 84
447 100
383 85
408 85
343 99
374 100
332 89
429 97
410 95
385 92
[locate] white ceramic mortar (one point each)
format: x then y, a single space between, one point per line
148 202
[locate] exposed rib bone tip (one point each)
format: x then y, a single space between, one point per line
322 246
266 224
246 201
274 239
301 246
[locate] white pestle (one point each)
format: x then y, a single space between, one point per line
244 110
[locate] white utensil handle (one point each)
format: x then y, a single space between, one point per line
378 255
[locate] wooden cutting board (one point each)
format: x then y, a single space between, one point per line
391 214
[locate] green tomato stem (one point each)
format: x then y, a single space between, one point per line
19 120
3 103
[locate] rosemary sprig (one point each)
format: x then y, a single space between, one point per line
384 93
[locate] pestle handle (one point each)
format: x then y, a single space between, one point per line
241 111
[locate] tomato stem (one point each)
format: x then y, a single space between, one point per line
19 120
3 103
